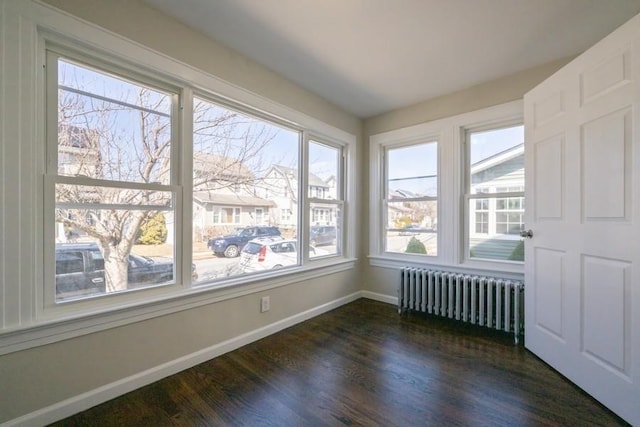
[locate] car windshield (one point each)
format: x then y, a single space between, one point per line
238 232
252 248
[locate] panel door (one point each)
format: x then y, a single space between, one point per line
582 268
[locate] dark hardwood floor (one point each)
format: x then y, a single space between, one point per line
362 364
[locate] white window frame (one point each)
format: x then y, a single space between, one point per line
452 216
25 319
386 201
492 196
50 307
344 245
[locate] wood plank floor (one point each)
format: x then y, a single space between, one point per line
362 364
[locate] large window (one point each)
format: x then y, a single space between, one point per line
411 202
110 161
249 162
495 193
129 165
117 185
448 194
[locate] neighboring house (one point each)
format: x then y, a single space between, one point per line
225 195
78 154
496 222
280 184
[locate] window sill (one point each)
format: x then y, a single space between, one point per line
508 271
50 331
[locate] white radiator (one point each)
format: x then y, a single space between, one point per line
484 301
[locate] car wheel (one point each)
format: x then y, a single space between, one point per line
277 266
313 243
231 251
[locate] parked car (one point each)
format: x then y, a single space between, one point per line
271 253
80 270
322 235
411 229
231 244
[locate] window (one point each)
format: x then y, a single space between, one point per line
226 215
244 160
115 230
495 193
448 194
110 152
411 189
326 202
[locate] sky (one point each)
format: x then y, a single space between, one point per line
420 160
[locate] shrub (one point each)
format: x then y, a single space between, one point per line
153 231
415 246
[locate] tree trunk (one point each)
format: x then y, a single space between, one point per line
116 267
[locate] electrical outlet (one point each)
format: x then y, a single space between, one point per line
265 304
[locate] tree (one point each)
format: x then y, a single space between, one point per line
153 231
115 148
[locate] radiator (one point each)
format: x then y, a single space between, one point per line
485 301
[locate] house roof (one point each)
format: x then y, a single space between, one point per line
292 175
220 165
497 158
210 197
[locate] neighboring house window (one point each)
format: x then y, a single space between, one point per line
411 198
481 216
226 215
259 216
495 193
285 215
110 164
325 163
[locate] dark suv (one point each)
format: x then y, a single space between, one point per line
80 270
231 244
322 235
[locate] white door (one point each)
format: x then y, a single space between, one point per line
582 268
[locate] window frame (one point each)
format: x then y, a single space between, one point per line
339 204
452 216
26 321
491 196
386 191
53 52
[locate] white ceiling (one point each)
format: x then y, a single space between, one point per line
373 56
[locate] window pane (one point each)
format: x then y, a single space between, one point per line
412 171
495 239
497 160
496 166
324 167
87 264
245 189
412 227
111 129
325 230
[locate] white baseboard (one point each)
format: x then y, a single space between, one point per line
68 407
380 297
